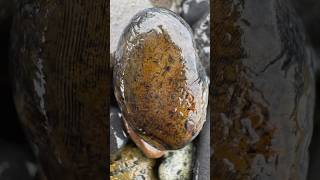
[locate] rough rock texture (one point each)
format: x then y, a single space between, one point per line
132 164
177 165
61 84
159 83
262 92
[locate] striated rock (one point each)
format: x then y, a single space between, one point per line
61 84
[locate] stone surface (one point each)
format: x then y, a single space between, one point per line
263 92
60 73
309 12
132 164
118 136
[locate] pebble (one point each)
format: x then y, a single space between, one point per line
177 164
132 164
159 83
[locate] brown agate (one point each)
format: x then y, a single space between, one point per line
159 83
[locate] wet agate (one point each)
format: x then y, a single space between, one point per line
159 83
262 92
61 85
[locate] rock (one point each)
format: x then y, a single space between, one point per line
132 164
263 92
61 86
177 165
118 136
162 94
193 10
202 38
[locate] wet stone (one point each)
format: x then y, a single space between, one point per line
118 136
193 10
177 164
159 82
132 164
263 92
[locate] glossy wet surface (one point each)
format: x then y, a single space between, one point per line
118 136
159 83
